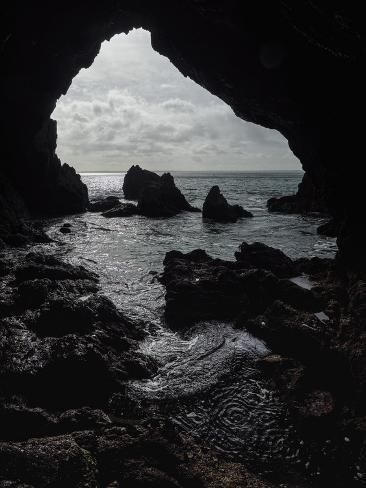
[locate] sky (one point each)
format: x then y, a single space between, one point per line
132 106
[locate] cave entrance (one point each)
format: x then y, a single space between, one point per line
133 105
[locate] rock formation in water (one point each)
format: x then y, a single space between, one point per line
308 199
121 210
261 256
157 196
163 199
103 204
217 208
136 179
199 287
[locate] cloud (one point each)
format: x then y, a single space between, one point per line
133 105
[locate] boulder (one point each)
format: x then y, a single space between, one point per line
163 199
218 209
136 179
103 204
121 210
261 256
199 287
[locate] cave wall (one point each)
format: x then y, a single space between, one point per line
295 67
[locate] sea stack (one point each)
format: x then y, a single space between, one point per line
157 196
217 208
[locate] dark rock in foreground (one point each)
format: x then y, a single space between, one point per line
308 199
103 204
218 209
121 210
261 256
199 287
61 344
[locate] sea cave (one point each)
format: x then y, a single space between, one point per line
202 327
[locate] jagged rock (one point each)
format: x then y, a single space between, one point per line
40 266
103 204
136 179
261 256
162 199
293 332
52 461
84 418
308 199
217 208
201 288
61 345
121 210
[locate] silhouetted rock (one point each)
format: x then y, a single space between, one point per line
121 210
61 345
308 199
217 208
261 256
103 204
330 229
163 199
293 332
136 179
199 287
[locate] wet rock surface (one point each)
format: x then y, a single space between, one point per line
121 210
199 287
315 333
67 355
217 208
103 204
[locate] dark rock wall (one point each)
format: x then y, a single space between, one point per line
297 68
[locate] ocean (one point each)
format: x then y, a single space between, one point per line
207 375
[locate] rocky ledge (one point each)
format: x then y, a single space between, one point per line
199 287
66 356
217 208
315 332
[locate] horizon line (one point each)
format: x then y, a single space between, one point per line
300 170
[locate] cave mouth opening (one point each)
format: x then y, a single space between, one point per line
133 105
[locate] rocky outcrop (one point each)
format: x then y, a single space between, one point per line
199 287
261 256
157 196
163 199
103 204
61 344
136 179
308 199
121 210
217 208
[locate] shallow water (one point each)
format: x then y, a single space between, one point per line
208 376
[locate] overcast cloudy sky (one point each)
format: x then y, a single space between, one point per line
134 106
